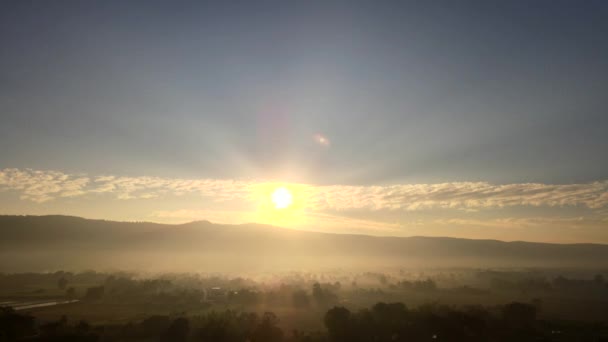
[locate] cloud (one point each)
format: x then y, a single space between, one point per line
41 186
460 195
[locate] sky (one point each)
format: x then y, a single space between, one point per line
473 119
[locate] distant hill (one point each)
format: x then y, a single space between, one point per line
35 243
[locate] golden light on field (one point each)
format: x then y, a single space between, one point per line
282 198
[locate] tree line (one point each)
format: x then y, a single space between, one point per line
383 322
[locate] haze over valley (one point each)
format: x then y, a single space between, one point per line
51 243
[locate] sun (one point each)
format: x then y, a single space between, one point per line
281 198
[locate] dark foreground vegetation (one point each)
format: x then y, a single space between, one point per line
395 305
383 322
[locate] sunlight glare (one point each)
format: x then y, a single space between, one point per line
282 198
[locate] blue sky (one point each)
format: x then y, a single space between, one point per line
405 92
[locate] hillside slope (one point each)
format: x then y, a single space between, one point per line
36 243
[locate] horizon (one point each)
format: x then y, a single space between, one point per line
301 230
473 120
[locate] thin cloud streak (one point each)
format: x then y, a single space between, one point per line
42 186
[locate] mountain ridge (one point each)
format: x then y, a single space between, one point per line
207 222
57 241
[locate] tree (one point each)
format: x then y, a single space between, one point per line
338 323
598 279
178 331
95 292
323 296
519 315
300 299
267 330
62 283
155 325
